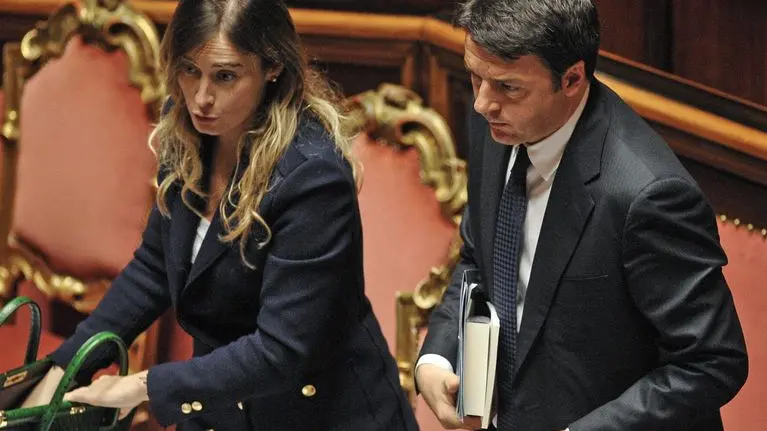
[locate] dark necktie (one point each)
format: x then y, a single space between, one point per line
506 251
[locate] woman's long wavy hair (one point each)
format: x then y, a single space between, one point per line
263 29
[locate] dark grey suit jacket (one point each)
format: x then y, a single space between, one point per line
628 322
262 335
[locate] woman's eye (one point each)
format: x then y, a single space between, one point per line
226 76
188 69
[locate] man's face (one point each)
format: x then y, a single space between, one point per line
518 97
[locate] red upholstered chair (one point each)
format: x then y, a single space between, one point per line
413 194
746 249
80 91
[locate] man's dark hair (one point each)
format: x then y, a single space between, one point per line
559 32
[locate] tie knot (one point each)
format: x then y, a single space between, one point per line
521 163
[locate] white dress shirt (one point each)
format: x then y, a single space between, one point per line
544 161
202 230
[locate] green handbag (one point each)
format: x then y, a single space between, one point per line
58 415
17 383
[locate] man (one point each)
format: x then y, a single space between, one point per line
598 249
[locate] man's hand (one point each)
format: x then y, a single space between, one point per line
123 392
438 387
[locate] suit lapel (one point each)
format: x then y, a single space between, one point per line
569 207
495 161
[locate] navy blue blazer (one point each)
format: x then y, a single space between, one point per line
290 345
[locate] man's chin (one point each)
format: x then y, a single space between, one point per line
503 137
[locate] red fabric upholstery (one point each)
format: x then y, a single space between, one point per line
745 273
405 235
15 338
85 170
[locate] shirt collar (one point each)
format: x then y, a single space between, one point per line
546 154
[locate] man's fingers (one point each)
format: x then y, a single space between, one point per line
451 384
472 422
447 417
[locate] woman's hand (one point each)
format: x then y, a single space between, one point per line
123 392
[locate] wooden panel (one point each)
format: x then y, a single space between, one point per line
354 79
412 7
730 195
637 29
723 44
449 92
359 65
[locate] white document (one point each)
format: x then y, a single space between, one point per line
478 332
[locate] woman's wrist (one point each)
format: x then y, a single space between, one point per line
142 378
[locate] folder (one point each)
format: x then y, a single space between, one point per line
478 332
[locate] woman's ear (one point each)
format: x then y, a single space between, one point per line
274 73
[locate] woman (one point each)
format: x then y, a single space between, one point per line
255 240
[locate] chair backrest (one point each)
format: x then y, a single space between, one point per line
412 196
81 91
746 248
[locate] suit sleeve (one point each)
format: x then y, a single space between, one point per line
305 300
673 265
442 336
135 299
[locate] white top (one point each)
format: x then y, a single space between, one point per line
544 161
202 230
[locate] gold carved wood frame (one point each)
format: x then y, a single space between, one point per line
396 115
111 25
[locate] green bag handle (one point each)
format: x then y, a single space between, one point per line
34 329
57 402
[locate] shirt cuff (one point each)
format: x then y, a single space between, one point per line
434 359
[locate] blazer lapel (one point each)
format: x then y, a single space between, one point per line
212 247
183 223
495 160
569 208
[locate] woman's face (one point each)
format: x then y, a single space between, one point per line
222 88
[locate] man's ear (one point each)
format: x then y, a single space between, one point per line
574 77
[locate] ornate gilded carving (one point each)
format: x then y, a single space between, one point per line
111 25
397 116
24 264
12 86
